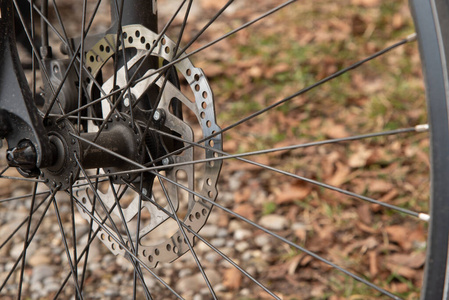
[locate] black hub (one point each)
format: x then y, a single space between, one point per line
65 147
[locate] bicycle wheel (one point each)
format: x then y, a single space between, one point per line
329 105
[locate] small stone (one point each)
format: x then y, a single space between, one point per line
222 232
218 242
242 246
299 226
196 282
198 297
230 243
262 240
234 225
185 272
242 234
245 292
209 231
41 272
274 222
212 257
40 257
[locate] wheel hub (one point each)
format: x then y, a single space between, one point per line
65 169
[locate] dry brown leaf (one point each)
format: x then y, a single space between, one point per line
366 3
380 186
213 4
335 131
365 213
280 68
292 193
294 263
364 245
373 270
400 287
400 235
242 195
232 278
389 196
398 21
230 145
366 228
414 260
401 270
360 157
340 175
245 210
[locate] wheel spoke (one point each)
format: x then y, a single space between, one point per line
186 238
112 222
67 250
129 252
224 256
421 216
13 268
314 255
25 243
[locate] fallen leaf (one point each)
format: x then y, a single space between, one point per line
291 193
340 175
360 157
414 260
401 270
400 235
335 131
373 270
245 210
232 278
242 195
380 186
365 213
366 3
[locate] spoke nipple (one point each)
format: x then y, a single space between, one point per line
424 217
411 37
422 128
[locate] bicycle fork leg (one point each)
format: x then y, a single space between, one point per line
20 123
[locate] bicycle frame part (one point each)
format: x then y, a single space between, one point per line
20 122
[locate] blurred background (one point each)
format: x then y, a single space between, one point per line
271 60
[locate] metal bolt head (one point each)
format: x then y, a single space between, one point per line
157 115
126 101
166 161
144 191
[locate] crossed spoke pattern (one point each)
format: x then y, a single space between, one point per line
106 212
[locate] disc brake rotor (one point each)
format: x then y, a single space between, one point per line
192 211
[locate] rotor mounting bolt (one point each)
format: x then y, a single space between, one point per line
166 161
159 115
144 191
126 101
